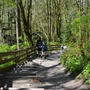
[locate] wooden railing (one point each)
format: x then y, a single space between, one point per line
16 57
53 47
20 56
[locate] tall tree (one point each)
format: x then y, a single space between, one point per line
26 17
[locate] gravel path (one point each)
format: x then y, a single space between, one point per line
54 76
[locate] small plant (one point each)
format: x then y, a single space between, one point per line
4 48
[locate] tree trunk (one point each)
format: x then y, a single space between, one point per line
17 26
25 21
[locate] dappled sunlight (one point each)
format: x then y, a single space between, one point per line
44 44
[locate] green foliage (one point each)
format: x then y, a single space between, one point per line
79 26
86 73
53 43
64 37
4 48
74 63
24 43
63 58
13 47
8 3
6 65
78 43
73 60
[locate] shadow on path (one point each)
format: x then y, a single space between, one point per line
54 76
16 74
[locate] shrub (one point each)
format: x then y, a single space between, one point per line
53 43
74 63
13 47
4 48
73 60
63 57
86 73
26 44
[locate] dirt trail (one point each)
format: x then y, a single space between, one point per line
54 76
42 74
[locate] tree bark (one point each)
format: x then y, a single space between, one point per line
26 24
17 26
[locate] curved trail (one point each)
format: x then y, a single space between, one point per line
42 74
54 76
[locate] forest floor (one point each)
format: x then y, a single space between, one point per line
43 74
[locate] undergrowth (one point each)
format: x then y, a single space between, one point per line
76 63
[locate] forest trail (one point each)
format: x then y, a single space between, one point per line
42 74
55 77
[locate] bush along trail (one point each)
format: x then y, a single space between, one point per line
54 76
76 64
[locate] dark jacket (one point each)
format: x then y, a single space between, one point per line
39 43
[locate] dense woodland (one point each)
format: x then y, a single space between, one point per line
64 22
